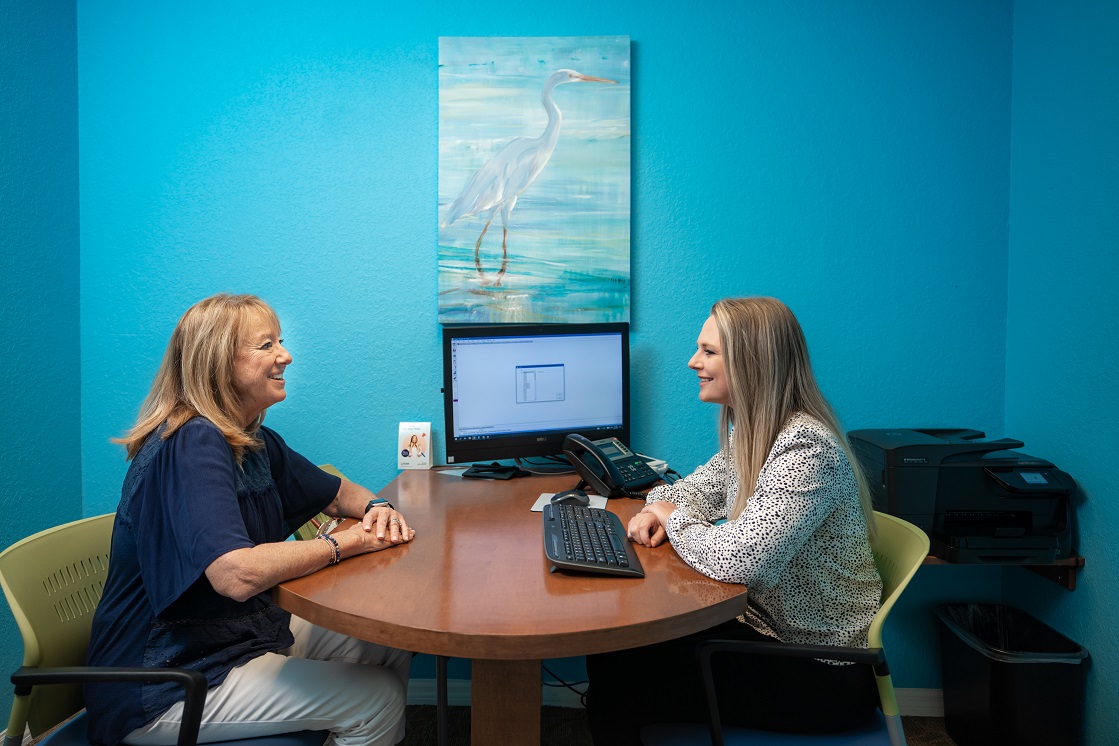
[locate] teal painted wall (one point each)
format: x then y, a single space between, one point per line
853 159
854 163
1064 263
40 448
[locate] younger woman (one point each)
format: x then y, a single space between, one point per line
796 532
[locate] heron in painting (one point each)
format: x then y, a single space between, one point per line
497 185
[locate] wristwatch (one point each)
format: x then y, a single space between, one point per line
378 501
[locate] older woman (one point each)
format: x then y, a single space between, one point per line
781 508
199 541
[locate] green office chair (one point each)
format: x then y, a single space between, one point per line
53 582
310 529
899 550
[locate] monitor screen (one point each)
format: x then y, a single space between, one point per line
515 391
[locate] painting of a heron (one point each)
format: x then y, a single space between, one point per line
509 136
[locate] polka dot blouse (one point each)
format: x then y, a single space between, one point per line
800 546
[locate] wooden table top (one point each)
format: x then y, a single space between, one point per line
475 582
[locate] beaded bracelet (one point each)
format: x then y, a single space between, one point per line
335 550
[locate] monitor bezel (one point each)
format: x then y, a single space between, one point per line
531 444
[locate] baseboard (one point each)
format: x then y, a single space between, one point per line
927 703
916 702
423 692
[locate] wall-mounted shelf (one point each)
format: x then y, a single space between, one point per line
1062 572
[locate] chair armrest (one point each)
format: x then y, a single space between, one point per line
874 657
867 656
193 682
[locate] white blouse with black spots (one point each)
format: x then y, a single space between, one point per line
800 546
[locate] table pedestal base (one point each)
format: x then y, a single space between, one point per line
505 702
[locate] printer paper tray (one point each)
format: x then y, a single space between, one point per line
1028 550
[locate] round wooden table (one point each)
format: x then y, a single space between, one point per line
475 584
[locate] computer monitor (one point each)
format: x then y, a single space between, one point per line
516 391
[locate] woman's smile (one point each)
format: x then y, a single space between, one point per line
258 372
707 362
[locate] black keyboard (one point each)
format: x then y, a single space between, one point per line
588 540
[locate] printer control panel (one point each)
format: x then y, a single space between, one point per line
1025 481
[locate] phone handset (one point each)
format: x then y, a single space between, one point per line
608 466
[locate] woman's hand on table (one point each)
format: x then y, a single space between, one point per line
647 527
387 525
380 528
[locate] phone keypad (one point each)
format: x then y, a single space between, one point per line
636 470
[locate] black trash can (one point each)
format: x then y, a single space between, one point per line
1009 678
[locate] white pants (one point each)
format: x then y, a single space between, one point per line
326 681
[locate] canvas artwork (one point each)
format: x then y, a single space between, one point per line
534 179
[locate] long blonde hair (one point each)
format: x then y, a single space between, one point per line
769 379
196 375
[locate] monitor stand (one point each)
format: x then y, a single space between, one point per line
494 471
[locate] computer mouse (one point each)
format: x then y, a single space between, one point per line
571 497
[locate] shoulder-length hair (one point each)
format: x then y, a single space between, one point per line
196 375
769 379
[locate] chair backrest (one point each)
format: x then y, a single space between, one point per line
311 528
53 582
899 550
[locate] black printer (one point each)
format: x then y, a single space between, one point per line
977 500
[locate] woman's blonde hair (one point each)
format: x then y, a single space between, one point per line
196 375
769 378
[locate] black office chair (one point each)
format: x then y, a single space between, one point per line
899 550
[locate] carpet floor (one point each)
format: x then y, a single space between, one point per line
567 726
